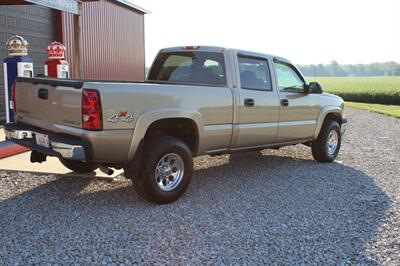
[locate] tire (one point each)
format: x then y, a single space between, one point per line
324 148
166 171
79 167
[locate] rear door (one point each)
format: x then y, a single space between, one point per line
40 102
258 103
299 110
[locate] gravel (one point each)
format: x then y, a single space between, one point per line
273 207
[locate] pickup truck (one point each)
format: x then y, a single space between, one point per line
197 100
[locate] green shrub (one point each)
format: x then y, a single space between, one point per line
383 90
381 98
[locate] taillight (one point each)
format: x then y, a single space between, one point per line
91 110
12 101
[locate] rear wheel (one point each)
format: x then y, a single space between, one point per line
326 147
166 171
79 167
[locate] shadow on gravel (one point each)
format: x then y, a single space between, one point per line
252 208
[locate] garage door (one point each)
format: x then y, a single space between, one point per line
38 25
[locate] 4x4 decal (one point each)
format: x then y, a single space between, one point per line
122 116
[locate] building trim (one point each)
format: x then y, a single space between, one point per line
123 2
131 5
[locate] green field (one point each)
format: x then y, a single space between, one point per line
383 90
391 110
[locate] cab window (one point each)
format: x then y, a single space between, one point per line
254 73
288 78
205 68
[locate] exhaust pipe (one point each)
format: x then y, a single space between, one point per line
105 169
37 157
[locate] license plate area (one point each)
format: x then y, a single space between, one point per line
42 140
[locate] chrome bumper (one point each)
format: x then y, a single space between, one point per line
18 134
27 138
74 152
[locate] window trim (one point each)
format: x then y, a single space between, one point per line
294 68
269 74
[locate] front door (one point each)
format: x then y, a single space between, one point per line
258 104
298 110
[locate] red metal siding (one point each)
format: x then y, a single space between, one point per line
112 41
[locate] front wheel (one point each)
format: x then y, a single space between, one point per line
326 147
166 172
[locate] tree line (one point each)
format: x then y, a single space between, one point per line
334 69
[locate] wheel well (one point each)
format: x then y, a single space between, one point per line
182 128
334 116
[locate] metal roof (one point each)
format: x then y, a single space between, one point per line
131 5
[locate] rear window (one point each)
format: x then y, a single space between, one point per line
189 68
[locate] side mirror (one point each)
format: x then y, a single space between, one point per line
314 87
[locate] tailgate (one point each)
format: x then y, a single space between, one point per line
43 101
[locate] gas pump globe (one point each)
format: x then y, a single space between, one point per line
17 46
56 66
18 49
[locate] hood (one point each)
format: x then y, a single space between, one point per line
332 99
332 96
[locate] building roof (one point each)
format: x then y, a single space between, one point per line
131 5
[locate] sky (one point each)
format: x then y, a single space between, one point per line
305 32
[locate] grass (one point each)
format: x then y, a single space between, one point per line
383 90
391 110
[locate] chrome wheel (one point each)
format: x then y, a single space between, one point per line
333 140
169 171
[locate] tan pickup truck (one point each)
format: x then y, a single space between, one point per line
196 101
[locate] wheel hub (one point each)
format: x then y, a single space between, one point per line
333 140
169 172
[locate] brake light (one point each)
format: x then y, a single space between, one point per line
91 110
12 101
190 47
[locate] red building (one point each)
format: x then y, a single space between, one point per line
112 38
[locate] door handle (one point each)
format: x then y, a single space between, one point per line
43 94
249 102
284 102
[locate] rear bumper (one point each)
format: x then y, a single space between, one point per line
59 146
343 126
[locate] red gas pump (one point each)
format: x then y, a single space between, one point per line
56 66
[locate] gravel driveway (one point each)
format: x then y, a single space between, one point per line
278 207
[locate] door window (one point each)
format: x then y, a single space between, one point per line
254 73
288 78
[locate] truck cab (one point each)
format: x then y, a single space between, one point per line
272 103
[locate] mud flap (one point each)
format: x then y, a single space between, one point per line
132 169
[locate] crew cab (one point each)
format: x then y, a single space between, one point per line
197 100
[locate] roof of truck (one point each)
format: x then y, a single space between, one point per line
218 49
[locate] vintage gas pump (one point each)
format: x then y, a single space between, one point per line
56 66
17 64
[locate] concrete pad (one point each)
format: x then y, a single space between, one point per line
21 162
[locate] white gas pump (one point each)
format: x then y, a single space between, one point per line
17 64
